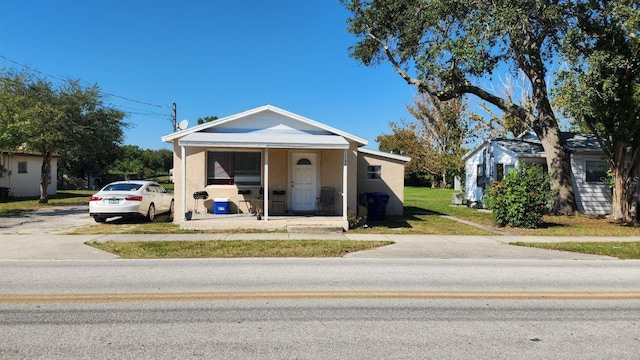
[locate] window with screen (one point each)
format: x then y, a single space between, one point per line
240 168
596 171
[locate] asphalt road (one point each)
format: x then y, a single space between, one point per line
319 309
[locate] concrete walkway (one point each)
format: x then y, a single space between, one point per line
73 247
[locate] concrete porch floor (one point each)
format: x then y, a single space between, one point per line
290 223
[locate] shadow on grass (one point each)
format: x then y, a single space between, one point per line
398 222
137 220
410 211
550 225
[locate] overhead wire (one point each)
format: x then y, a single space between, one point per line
102 92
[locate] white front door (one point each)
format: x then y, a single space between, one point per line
304 189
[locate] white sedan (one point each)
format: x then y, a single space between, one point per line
131 198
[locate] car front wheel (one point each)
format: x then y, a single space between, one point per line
99 219
151 214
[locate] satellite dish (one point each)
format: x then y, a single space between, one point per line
183 124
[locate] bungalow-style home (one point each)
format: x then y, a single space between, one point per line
20 174
493 159
271 162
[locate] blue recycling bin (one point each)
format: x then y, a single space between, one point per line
377 206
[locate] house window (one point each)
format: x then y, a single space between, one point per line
22 167
596 171
374 172
499 172
240 168
508 168
480 175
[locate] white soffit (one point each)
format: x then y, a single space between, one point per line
262 140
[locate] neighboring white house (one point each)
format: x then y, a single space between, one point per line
492 159
20 174
282 161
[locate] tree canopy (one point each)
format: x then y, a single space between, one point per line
69 120
434 139
600 89
461 44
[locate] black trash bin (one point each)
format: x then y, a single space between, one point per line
377 206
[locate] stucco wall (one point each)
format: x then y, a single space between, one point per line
26 184
391 181
330 174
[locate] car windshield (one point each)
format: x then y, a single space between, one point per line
122 187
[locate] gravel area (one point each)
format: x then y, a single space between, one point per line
51 220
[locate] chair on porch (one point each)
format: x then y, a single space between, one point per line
326 201
279 199
244 196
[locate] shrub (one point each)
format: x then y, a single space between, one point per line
520 199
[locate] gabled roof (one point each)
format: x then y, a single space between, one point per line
527 144
304 126
521 147
580 142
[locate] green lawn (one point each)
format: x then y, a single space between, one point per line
439 202
235 249
424 209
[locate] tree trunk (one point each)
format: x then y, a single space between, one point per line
624 201
45 174
559 165
443 185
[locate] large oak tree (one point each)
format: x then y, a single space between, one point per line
460 43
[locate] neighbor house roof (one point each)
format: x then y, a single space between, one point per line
225 125
527 144
580 142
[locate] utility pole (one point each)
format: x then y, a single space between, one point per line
175 117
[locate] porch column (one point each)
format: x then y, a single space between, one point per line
345 191
183 185
265 196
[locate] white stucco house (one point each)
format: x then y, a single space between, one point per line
492 159
20 174
279 163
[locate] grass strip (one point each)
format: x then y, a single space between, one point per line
235 248
618 249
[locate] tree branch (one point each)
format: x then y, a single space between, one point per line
502 104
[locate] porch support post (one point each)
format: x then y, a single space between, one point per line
266 185
183 185
345 190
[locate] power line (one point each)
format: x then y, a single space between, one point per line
103 93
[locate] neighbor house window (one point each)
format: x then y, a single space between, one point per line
596 171
480 175
22 167
508 168
499 172
374 172
240 168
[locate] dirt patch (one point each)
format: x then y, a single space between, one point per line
50 220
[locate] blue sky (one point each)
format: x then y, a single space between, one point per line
209 57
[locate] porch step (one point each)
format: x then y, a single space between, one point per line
314 229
